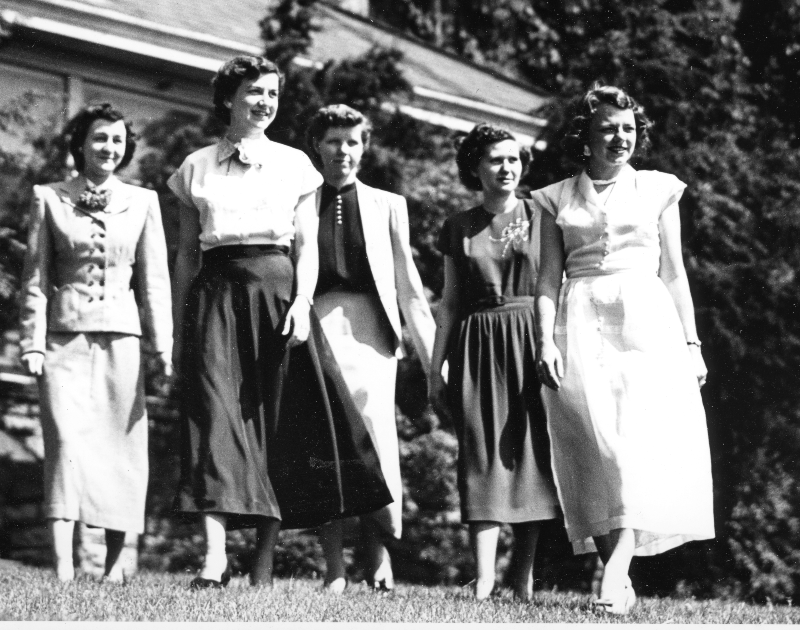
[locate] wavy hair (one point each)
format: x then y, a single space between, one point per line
335 116
577 135
233 73
77 129
472 147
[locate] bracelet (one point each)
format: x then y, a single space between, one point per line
697 343
305 297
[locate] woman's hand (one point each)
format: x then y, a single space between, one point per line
298 322
700 369
33 362
437 392
550 366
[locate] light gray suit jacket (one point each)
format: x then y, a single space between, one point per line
384 218
81 267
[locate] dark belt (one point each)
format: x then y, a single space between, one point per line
224 253
495 301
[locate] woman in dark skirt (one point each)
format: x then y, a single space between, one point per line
486 331
271 436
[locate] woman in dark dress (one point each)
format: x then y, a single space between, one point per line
486 331
271 435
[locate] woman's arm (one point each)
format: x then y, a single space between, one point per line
673 274
410 293
447 316
152 276
187 264
550 363
306 269
36 286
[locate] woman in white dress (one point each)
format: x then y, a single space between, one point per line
619 353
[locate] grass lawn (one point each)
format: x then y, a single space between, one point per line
32 594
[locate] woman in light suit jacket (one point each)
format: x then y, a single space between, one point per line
366 270
91 241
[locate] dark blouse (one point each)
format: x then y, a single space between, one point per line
343 263
496 256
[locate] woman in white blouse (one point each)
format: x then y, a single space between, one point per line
255 451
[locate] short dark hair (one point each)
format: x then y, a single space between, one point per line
472 148
336 116
78 128
233 73
577 136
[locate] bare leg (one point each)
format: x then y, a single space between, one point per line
526 537
266 539
379 563
115 542
332 539
616 550
484 535
62 531
215 561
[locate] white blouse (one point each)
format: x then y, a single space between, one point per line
245 201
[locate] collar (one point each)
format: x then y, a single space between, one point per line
586 188
254 149
70 191
327 189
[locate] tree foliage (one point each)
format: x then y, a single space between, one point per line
724 95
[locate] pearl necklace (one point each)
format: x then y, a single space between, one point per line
604 182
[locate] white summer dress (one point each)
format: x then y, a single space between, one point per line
627 427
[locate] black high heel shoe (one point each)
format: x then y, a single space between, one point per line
200 583
382 586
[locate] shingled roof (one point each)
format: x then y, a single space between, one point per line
203 33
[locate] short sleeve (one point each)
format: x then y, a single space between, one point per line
310 178
547 198
180 183
663 189
672 190
445 242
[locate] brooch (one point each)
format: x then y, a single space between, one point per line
94 200
513 235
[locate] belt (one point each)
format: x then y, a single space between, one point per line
225 253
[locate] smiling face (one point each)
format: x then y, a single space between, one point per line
500 168
612 140
103 149
340 150
255 103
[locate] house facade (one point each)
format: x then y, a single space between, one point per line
152 57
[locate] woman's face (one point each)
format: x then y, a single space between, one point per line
340 150
500 167
612 137
103 148
255 102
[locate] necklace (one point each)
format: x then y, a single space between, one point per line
604 182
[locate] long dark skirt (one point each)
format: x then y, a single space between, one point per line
267 431
503 449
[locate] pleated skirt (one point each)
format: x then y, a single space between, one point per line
361 338
268 431
94 425
628 429
503 460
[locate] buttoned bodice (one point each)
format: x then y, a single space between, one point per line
619 235
84 268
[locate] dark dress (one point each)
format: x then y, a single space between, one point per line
503 463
